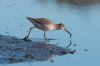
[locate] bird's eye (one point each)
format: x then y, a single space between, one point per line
62 25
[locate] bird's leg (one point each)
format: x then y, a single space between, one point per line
26 37
45 37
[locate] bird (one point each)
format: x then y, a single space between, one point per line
45 25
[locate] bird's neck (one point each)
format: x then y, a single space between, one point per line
57 27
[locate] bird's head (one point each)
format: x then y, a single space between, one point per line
61 26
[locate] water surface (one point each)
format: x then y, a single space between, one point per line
82 22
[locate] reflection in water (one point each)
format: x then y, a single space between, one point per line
73 2
78 2
43 1
14 50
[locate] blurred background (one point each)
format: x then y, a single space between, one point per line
81 18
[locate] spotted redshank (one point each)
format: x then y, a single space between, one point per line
45 25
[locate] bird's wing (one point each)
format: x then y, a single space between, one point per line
43 21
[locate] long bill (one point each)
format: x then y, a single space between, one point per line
68 32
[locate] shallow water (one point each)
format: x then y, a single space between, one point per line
82 22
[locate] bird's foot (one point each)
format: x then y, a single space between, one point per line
46 41
26 38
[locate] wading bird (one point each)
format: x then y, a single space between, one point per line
45 25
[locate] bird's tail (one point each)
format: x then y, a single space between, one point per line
31 19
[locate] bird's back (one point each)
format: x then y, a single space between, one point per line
40 20
41 23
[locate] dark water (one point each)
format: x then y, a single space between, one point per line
81 21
